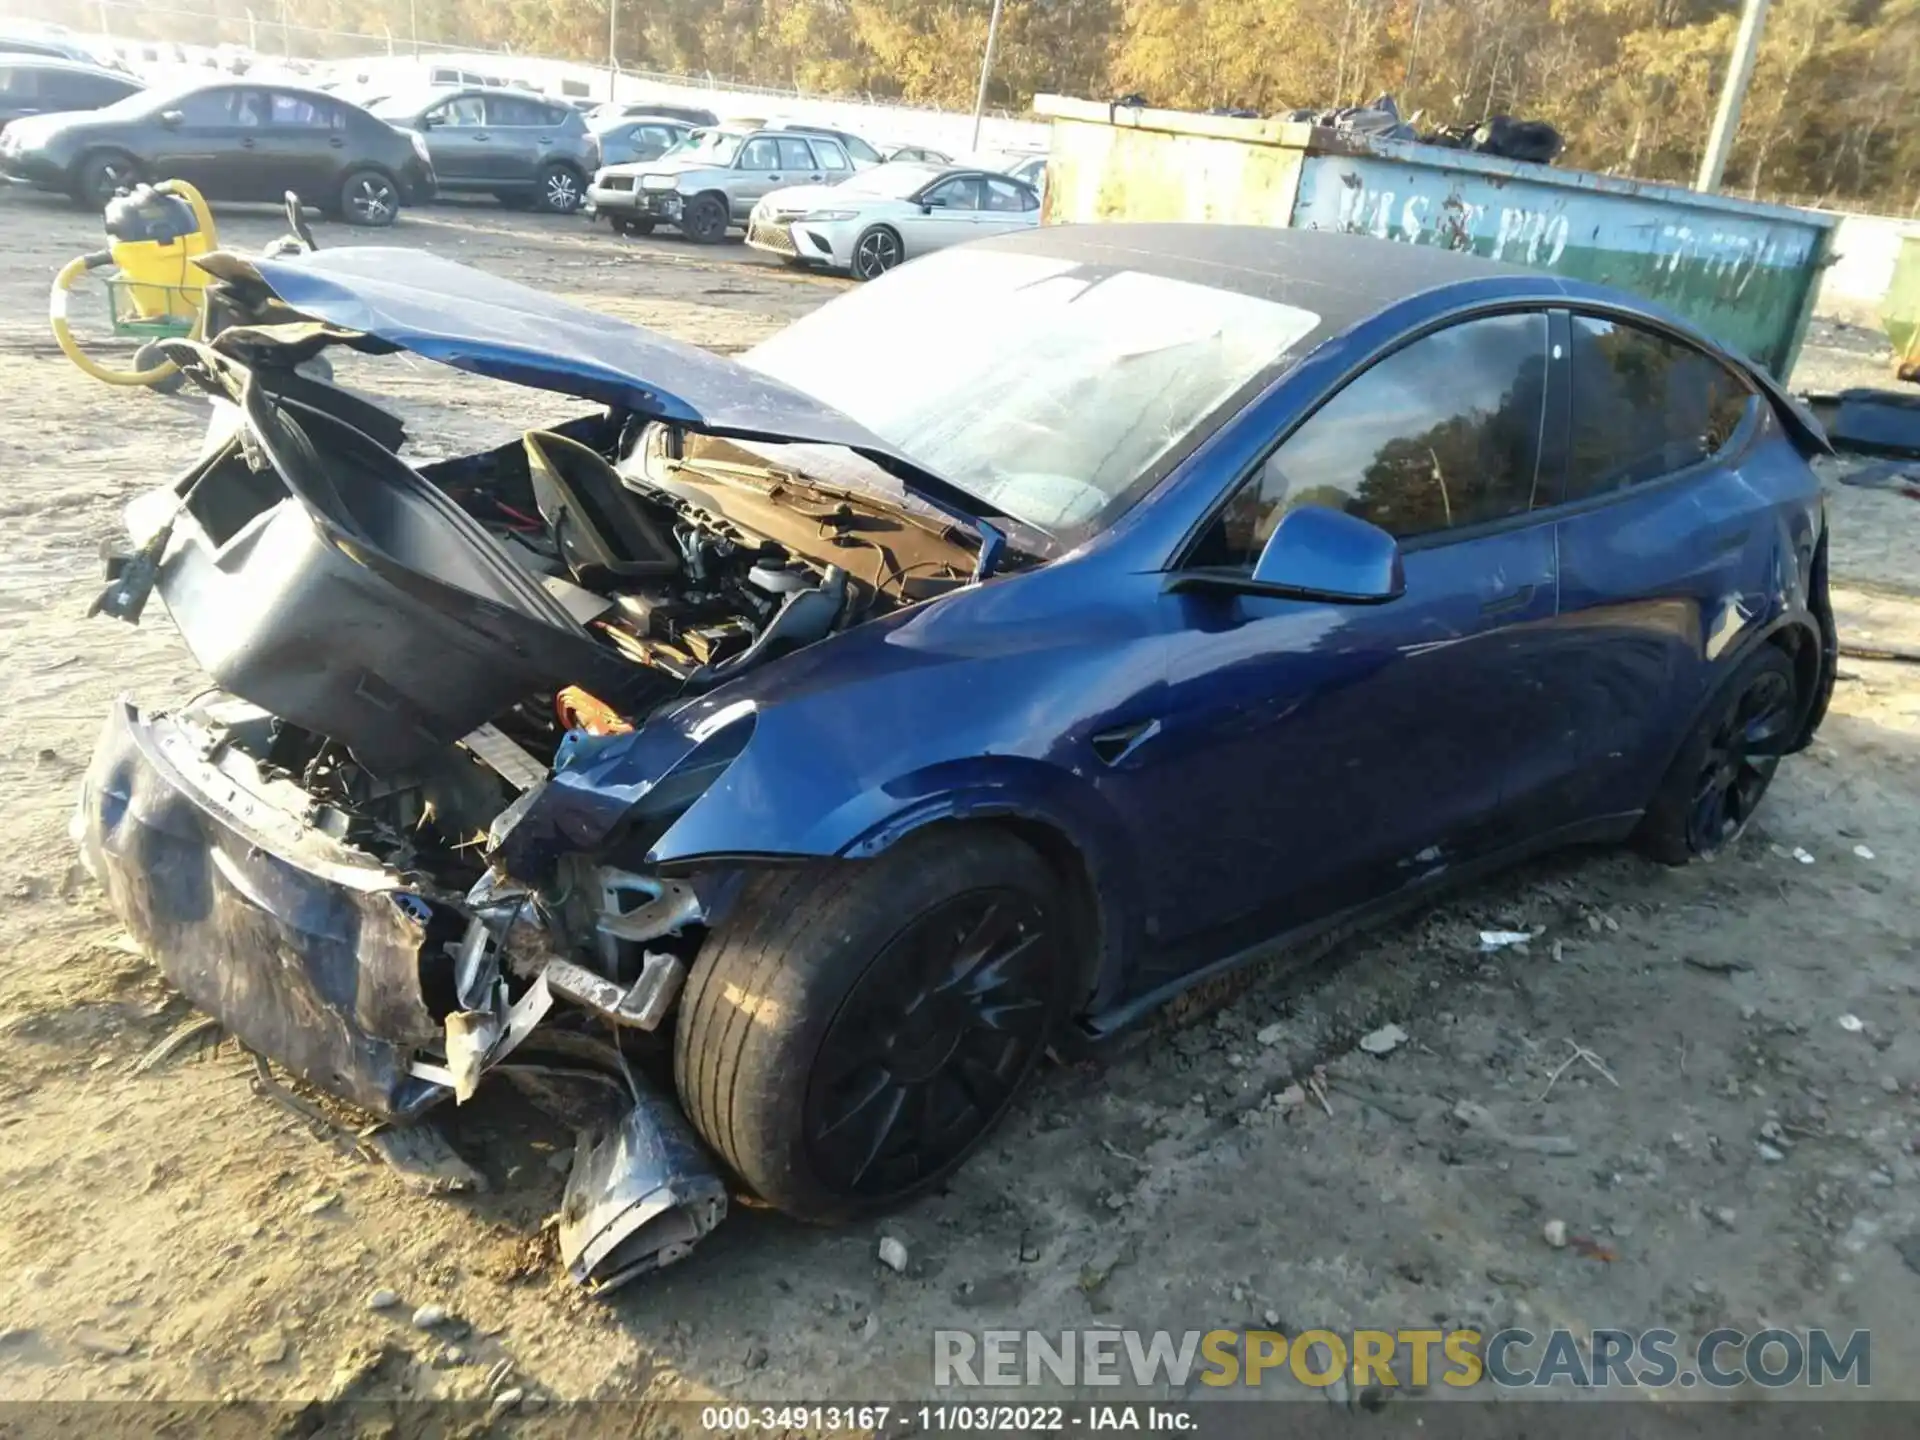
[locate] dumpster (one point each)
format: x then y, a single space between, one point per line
1743 272
1900 311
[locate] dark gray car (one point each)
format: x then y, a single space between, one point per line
37 85
647 137
520 148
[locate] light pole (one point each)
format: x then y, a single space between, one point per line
1746 49
986 70
613 35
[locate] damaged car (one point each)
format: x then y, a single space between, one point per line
765 765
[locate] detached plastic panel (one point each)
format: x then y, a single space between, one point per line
336 588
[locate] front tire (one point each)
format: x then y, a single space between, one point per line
877 251
102 175
563 190
704 221
855 1030
369 199
1717 780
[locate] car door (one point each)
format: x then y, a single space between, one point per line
209 138
758 170
458 140
1313 757
949 213
303 149
518 135
1667 548
1008 205
833 162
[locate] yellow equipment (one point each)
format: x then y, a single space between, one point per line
156 292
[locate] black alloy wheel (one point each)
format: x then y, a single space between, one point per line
930 1044
1741 755
876 252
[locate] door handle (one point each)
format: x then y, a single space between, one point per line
816 178
337 143
480 135
1506 604
774 178
247 143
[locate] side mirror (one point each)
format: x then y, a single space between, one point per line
427 122
172 119
1318 554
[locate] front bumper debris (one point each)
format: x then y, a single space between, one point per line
639 1197
305 951
313 955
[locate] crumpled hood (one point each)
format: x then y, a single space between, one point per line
663 166
474 321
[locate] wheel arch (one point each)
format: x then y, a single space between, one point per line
95 150
1079 843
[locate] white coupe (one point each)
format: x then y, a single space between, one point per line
881 217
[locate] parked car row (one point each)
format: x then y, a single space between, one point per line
90 132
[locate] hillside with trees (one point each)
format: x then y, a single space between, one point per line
1630 83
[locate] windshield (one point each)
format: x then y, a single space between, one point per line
145 102
896 181
1047 388
715 147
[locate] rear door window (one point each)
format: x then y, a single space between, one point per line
1644 406
1007 195
830 157
1441 435
302 113
510 112
794 155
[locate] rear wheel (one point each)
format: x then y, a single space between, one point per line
876 251
1716 782
562 190
102 175
894 1008
369 198
705 219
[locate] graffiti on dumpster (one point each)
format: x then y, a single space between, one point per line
1505 227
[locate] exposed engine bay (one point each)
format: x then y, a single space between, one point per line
403 657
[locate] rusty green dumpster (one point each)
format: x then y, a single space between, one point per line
1745 273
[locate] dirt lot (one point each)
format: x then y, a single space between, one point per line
176 1235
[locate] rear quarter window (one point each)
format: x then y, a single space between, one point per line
1645 406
